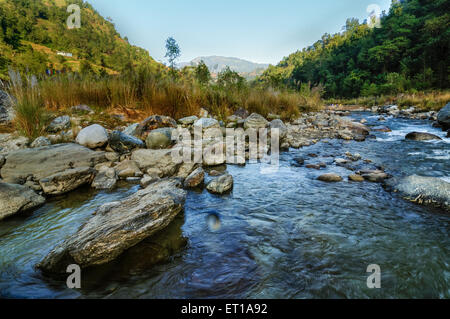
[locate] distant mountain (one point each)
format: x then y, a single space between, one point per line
216 64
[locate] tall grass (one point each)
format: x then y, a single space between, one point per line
150 93
30 113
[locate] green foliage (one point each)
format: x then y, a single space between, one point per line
409 52
230 79
43 22
202 74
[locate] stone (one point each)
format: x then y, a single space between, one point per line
152 123
195 179
278 124
374 176
2 161
420 136
40 142
6 109
356 178
66 181
82 108
158 162
242 113
112 156
118 226
381 129
255 121
10 143
190 120
59 124
214 154
39 163
128 168
422 190
132 130
123 143
16 199
93 136
148 179
220 185
331 178
160 138
443 117
105 179
207 123
299 161
186 169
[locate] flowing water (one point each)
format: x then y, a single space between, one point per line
277 235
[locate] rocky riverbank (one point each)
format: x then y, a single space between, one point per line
71 156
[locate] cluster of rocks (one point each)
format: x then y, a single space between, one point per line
441 119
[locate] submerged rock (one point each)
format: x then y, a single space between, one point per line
330 178
443 117
421 136
93 136
117 226
17 198
356 178
422 190
221 184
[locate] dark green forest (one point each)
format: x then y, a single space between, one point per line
408 53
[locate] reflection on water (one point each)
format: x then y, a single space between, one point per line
280 235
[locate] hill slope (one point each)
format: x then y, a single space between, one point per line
409 52
32 32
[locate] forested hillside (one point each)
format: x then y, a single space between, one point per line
409 52
33 31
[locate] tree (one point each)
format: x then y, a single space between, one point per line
202 73
173 52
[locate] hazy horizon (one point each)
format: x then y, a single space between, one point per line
257 31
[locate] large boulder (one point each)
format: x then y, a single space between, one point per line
422 190
123 143
157 162
255 121
159 138
117 226
443 117
154 122
421 136
221 185
40 163
93 136
11 142
17 198
59 124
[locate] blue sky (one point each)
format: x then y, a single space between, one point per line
260 31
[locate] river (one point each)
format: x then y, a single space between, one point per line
277 235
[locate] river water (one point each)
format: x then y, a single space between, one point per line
277 235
